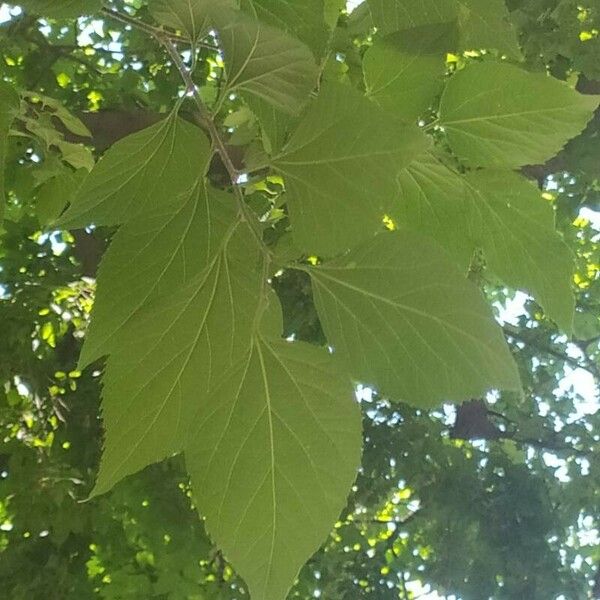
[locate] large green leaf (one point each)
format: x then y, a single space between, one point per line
404 71
482 23
486 24
9 107
433 201
140 173
395 15
150 256
272 455
193 18
266 62
496 114
499 212
61 9
304 19
404 319
171 353
515 228
340 168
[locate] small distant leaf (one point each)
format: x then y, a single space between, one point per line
339 168
76 155
497 114
515 228
404 71
274 124
140 173
266 62
172 351
61 9
55 194
405 320
272 455
68 119
9 107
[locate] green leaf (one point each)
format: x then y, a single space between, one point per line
515 228
63 9
173 349
192 18
67 118
404 319
404 71
272 455
274 123
339 167
395 15
150 256
332 9
482 23
433 201
499 212
496 114
76 155
266 62
140 173
303 19
9 107
486 24
54 195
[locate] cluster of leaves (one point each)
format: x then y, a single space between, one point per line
341 181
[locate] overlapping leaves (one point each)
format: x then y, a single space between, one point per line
482 23
183 313
9 106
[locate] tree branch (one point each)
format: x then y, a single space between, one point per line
587 365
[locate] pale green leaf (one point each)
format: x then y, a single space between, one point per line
496 114
140 173
67 118
404 71
395 15
332 9
150 256
9 107
191 17
433 201
76 155
303 19
272 455
499 212
61 9
405 320
266 62
340 168
173 350
482 23
515 228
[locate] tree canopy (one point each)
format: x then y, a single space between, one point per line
299 299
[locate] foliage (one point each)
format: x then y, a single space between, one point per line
221 220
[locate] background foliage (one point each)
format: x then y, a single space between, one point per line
495 498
